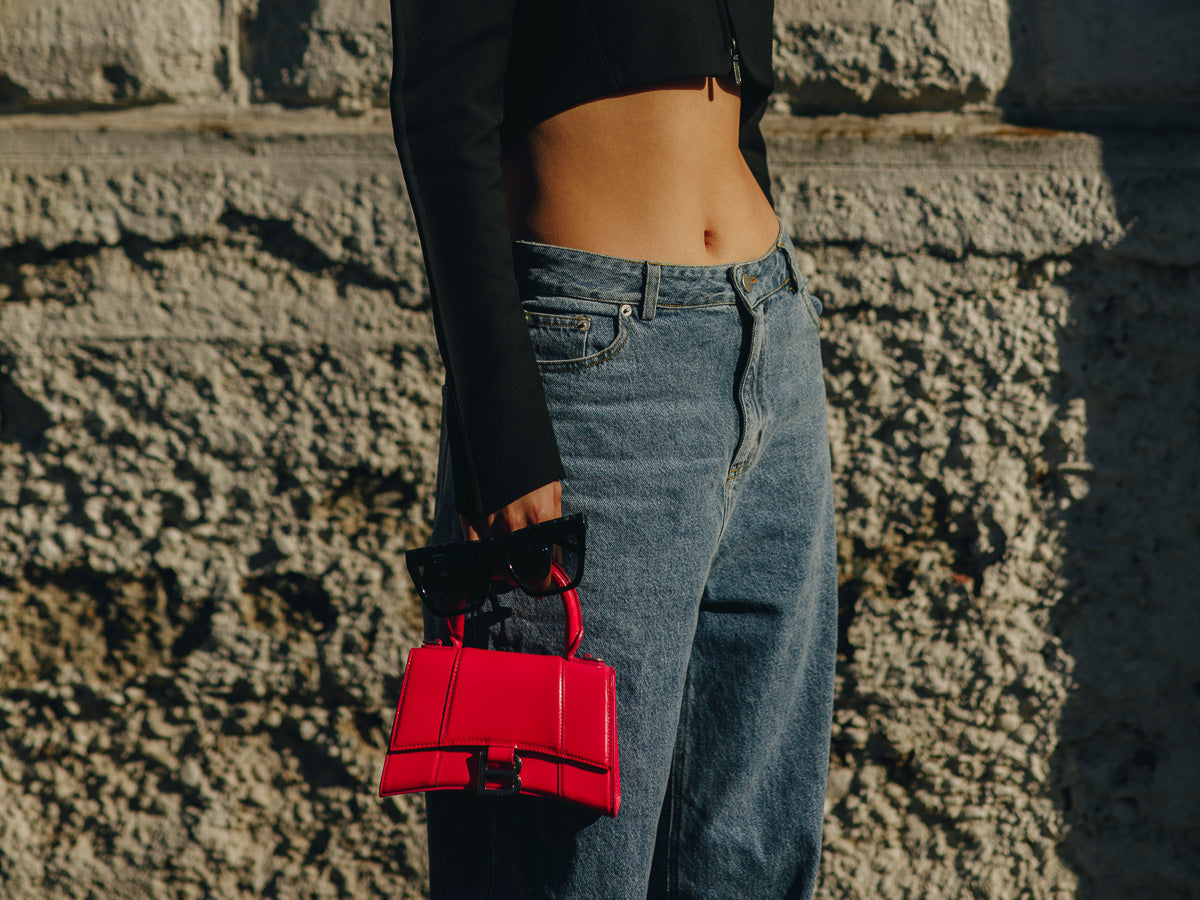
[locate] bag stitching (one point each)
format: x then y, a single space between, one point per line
437 769
464 743
562 721
400 705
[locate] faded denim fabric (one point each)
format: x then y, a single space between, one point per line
689 407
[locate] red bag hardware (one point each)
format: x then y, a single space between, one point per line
502 723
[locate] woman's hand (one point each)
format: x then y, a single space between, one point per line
540 505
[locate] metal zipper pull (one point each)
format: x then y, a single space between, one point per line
733 50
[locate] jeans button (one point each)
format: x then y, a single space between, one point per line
747 282
626 309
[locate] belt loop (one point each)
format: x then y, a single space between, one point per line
650 291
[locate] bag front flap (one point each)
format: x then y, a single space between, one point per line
469 697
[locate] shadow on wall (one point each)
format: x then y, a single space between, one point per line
1126 771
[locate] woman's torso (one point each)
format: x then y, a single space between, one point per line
653 173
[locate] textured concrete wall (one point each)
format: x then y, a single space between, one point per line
882 56
1014 396
62 54
219 396
1083 63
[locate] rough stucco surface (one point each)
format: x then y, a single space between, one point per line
217 436
882 56
120 52
218 425
219 394
133 52
1090 60
1014 399
1085 62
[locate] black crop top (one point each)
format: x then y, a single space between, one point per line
469 73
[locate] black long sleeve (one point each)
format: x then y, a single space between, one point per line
462 70
447 99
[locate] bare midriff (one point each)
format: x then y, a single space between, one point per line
651 174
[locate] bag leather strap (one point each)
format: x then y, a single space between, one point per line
573 633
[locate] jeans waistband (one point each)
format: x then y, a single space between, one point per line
564 271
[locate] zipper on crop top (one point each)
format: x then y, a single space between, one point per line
733 50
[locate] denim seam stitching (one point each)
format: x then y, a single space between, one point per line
573 365
548 292
632 301
675 787
779 288
739 469
547 320
696 305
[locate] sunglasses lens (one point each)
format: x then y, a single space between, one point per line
530 556
451 590
454 579
531 566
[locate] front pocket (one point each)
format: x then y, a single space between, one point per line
574 340
556 337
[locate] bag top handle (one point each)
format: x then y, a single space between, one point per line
571 611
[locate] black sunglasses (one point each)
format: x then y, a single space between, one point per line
454 579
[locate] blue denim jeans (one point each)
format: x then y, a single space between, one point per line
689 407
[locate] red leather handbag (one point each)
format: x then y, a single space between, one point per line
503 723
